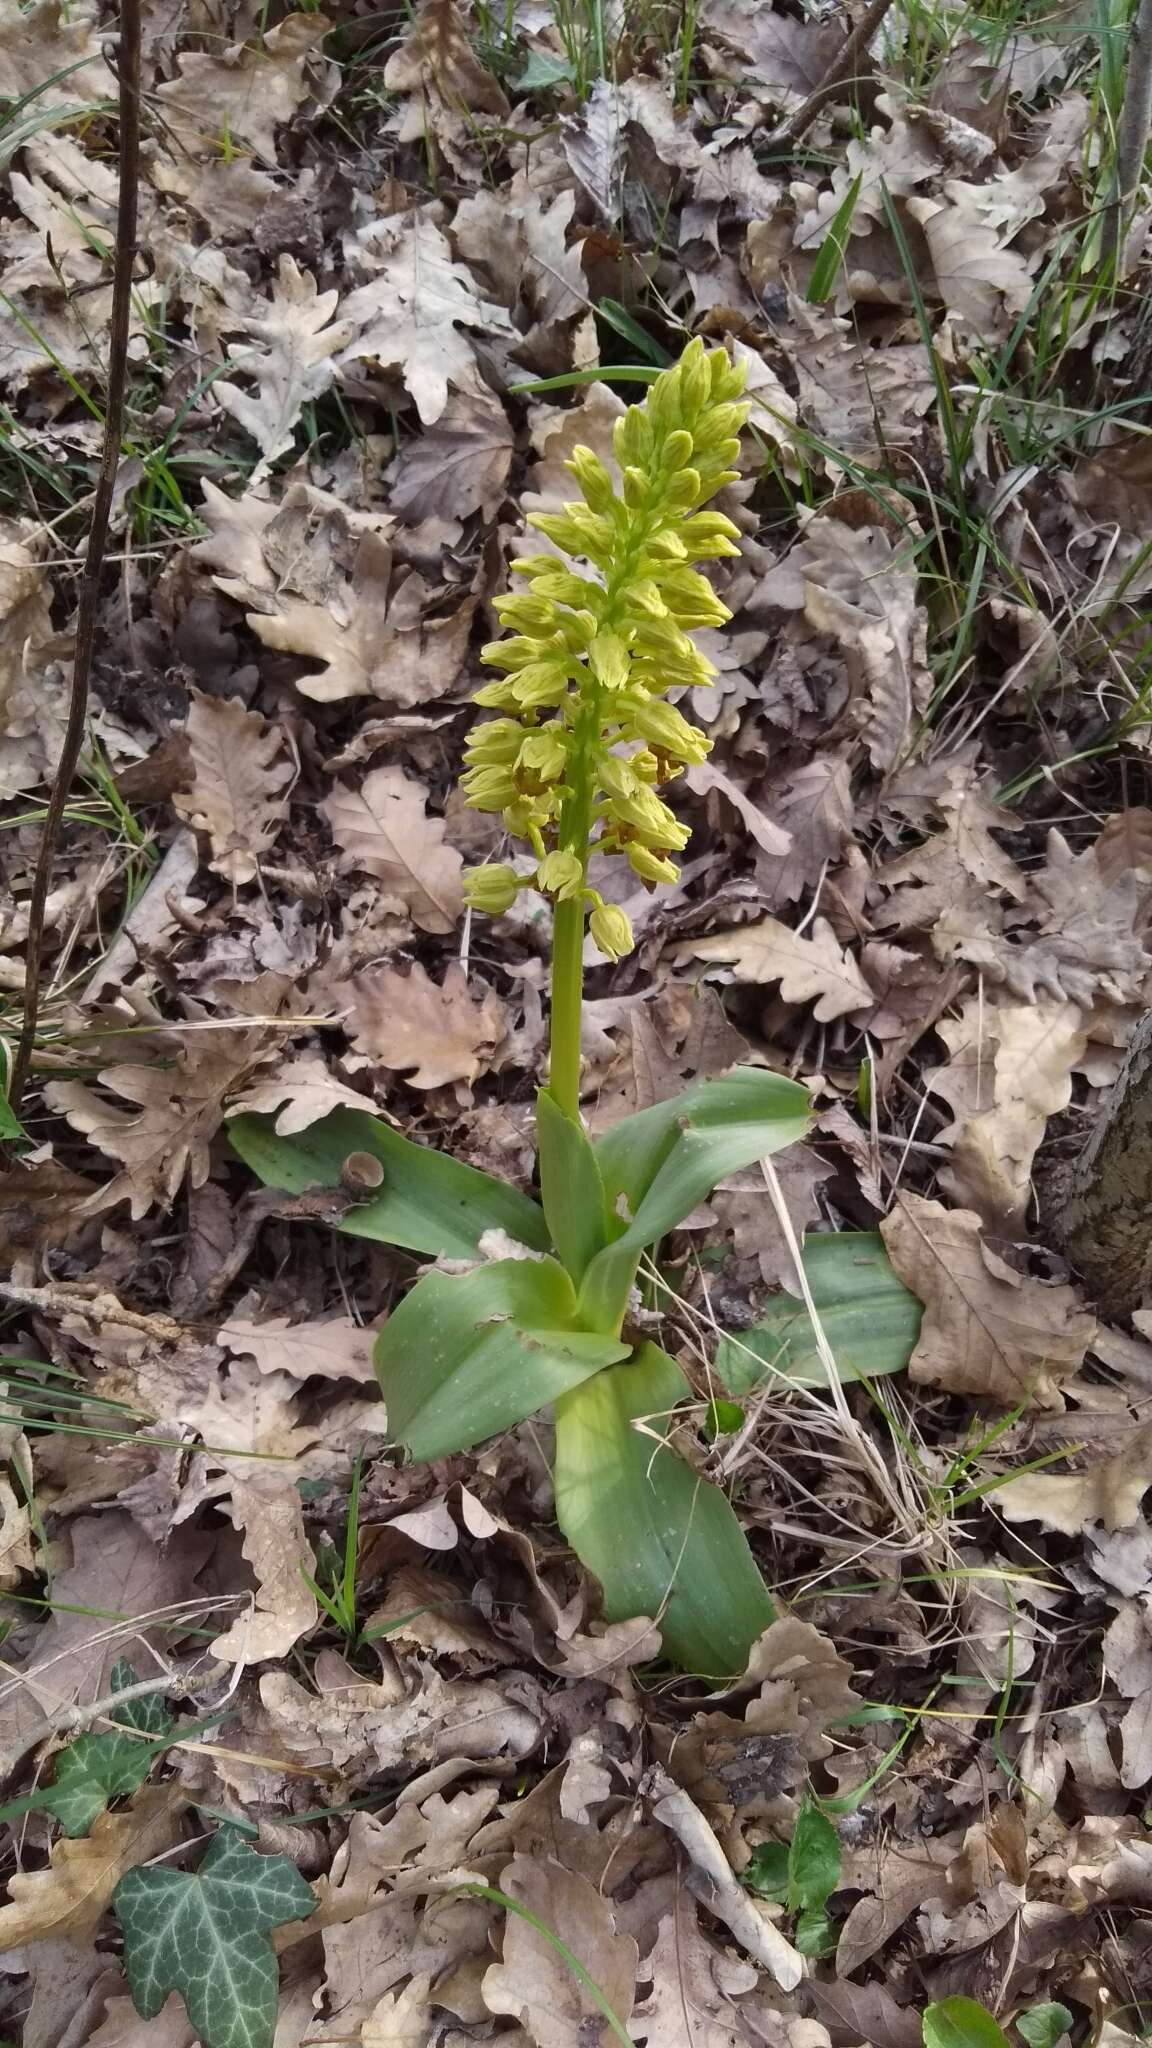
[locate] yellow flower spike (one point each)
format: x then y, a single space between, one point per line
592 645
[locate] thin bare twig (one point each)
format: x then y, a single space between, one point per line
71 1719
842 67
128 67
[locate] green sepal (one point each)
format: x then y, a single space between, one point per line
659 1165
428 1202
869 1317
662 1540
469 1354
571 1190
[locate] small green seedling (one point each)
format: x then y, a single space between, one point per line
965 2023
802 1874
582 741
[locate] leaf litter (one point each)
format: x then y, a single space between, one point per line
446 1800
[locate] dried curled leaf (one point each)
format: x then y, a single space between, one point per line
434 1034
239 784
812 969
383 829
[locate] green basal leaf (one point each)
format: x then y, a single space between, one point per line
962 2023
766 1872
205 1934
870 1319
1043 2025
659 1165
468 1354
428 1201
813 1859
662 1540
571 1190
815 1932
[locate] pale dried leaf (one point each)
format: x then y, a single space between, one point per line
291 358
811 968
814 807
178 1110
435 1034
705 781
303 1092
986 284
458 466
1109 1491
336 1348
711 1879
532 1983
244 93
986 1329
437 67
1014 1064
267 1507
71 1895
400 2019
238 793
410 313
383 829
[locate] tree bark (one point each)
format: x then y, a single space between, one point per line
1104 1217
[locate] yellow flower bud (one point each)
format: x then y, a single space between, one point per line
492 888
592 478
649 866
525 614
667 729
560 874
496 742
677 449
543 757
611 930
608 660
488 789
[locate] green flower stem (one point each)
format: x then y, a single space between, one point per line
567 999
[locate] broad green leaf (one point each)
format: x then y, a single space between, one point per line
205 1934
428 1202
1043 2025
662 1540
869 1317
469 1354
99 1766
813 1859
660 1164
571 1190
766 1872
815 1932
826 268
962 2023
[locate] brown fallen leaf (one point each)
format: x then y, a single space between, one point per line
1109 1491
409 313
178 1110
31 706
400 2019
711 1879
266 1505
458 466
244 92
72 1894
438 70
535 1985
986 1329
813 805
433 1033
383 829
1011 1069
17 1554
238 791
336 1348
290 356
122 2026
709 782
685 2007
810 969
303 1092
978 277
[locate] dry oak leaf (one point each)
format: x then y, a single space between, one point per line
373 637
238 794
243 93
859 587
49 56
1011 1070
334 1349
302 1093
457 467
32 708
437 67
383 829
519 245
409 314
1109 1491
813 804
267 1506
706 781
986 1329
434 1034
72 1894
711 1880
986 284
402 2019
813 969
533 1983
178 1110
292 362
685 2007
961 864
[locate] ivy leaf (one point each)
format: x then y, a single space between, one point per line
205 1934
98 1767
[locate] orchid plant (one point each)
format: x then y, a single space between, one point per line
583 740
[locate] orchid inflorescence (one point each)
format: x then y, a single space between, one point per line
587 735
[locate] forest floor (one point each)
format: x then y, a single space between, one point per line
919 879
